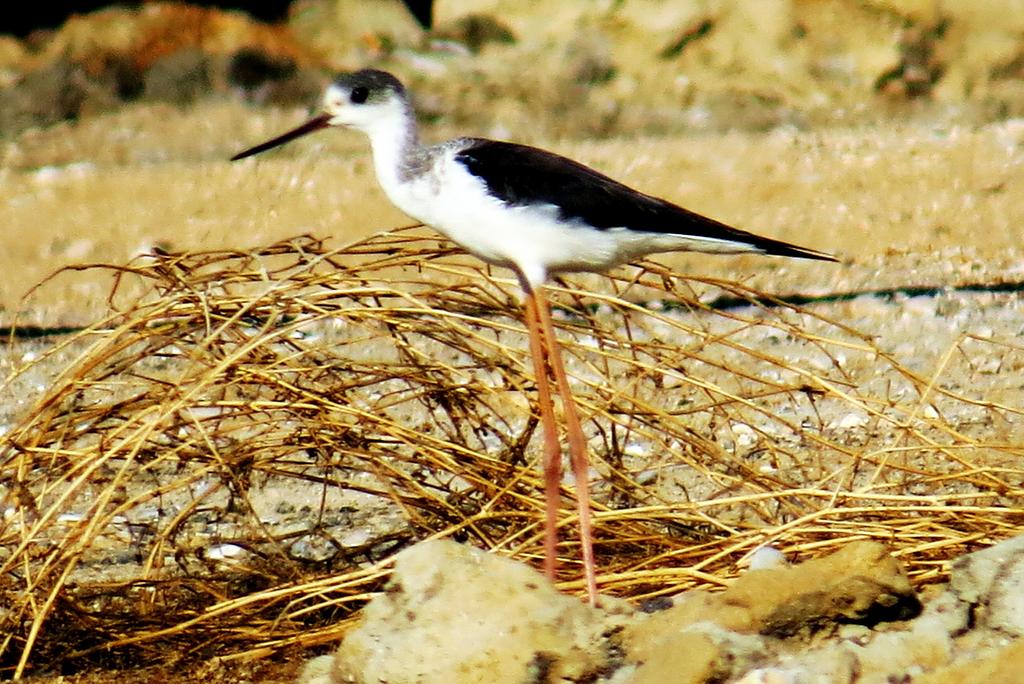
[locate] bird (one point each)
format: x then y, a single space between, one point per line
537 213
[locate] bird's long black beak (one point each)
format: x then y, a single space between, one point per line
314 124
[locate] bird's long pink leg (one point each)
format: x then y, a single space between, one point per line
552 450
577 443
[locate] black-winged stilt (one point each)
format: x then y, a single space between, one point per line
532 211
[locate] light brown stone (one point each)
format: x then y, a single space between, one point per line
859 582
454 613
1001 666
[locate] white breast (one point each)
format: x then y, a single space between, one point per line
531 238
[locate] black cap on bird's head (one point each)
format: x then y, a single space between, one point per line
376 84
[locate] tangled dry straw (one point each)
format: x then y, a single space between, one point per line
231 457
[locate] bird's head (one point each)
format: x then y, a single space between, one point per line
365 100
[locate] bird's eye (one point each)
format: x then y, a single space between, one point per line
359 95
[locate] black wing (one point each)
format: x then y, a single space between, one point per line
520 175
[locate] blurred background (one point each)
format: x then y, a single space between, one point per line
637 65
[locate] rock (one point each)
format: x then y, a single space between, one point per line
353 31
178 78
1000 666
945 612
453 613
265 78
44 97
313 548
318 671
859 583
766 557
477 30
896 656
250 68
992 581
866 656
457 614
704 652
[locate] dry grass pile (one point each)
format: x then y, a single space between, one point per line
240 446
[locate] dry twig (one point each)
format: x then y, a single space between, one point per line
234 455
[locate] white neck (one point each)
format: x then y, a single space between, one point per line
395 142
